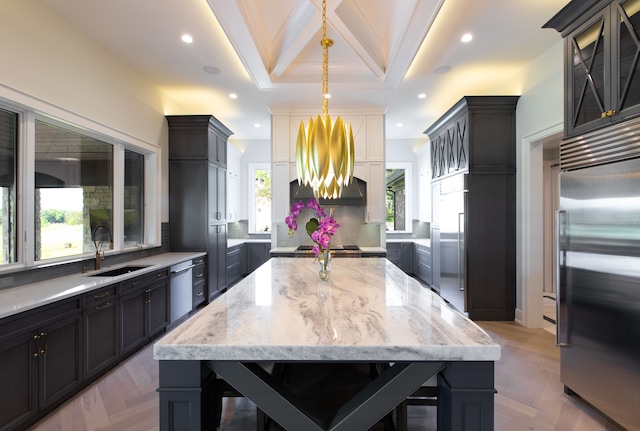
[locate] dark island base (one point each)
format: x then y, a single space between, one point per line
328 396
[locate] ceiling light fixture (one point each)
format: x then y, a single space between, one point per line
325 151
233 96
467 37
187 38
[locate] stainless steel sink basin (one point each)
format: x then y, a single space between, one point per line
118 271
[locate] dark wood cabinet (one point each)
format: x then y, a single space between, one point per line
423 264
601 62
144 309
60 359
401 254
41 357
197 192
100 330
199 281
473 249
235 260
257 254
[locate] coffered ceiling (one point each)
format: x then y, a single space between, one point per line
267 52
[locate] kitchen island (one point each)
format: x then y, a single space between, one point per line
369 311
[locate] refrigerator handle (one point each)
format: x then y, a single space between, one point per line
562 305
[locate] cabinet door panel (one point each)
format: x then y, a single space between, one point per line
588 56
629 58
60 370
101 341
132 322
158 310
18 375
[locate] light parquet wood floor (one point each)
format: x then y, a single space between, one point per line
530 395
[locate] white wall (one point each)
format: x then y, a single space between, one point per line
49 66
539 114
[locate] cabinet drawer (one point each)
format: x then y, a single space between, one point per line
144 280
198 273
100 295
198 293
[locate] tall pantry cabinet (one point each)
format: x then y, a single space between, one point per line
197 192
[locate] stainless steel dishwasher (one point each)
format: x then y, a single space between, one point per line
180 290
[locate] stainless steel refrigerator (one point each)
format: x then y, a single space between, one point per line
598 294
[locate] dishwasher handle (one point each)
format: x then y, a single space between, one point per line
179 271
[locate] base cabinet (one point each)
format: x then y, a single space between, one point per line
144 310
41 356
257 254
100 330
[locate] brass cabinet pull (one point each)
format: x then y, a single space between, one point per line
102 295
37 338
102 307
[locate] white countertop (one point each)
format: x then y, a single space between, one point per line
369 310
420 241
231 242
17 299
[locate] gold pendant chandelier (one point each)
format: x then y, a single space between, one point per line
325 151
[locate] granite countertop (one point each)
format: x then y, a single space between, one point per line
369 310
17 299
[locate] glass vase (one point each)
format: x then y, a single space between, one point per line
324 264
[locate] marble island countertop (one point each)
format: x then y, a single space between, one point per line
17 299
368 311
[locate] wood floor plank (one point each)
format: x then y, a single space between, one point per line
527 377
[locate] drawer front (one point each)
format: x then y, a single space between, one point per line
198 273
144 280
100 295
198 293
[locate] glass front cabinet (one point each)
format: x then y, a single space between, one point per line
602 56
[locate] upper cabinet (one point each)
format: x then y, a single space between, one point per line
602 56
193 137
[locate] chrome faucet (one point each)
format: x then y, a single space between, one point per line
98 244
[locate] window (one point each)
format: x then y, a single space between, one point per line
8 143
133 198
259 198
398 197
73 192
77 186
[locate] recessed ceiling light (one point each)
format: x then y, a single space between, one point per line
187 38
399 124
467 37
233 95
257 126
421 96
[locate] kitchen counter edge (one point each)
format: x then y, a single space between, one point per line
27 297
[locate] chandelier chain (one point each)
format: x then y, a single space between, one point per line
326 43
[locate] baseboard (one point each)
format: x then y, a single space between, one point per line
518 318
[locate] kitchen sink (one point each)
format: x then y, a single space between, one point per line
118 271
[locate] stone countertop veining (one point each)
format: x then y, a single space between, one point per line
17 299
369 310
